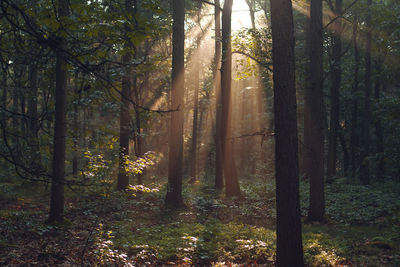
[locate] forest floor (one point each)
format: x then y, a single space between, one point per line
134 228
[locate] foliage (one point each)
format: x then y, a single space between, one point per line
131 228
357 204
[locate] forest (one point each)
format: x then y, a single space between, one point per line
200 133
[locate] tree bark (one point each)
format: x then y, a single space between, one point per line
364 165
336 75
354 138
289 240
57 185
33 120
380 172
124 128
219 178
193 171
314 116
124 116
174 191
231 181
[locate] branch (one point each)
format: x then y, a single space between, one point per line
341 15
210 3
263 64
261 133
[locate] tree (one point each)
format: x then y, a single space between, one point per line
124 117
175 156
193 160
354 136
336 74
364 166
219 178
313 116
231 181
289 242
57 185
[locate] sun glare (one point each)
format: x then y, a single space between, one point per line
240 15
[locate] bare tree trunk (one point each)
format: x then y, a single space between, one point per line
138 122
76 128
124 127
354 113
219 169
175 159
314 116
33 120
336 74
124 117
364 166
289 241
57 185
231 181
378 125
193 161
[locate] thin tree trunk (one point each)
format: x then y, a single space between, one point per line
336 74
378 125
175 159
57 185
124 116
346 157
354 114
33 120
4 97
364 166
231 181
219 169
193 171
76 128
138 122
124 128
289 241
314 116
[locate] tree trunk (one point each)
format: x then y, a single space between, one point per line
378 125
138 122
336 74
314 116
76 129
231 181
219 179
124 116
124 127
4 94
175 157
33 120
289 241
57 185
193 171
354 113
364 166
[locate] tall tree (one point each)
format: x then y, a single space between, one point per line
33 119
354 136
378 125
124 117
364 166
289 242
232 187
175 156
57 185
336 75
313 115
193 160
219 182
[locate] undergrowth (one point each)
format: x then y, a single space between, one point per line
134 228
